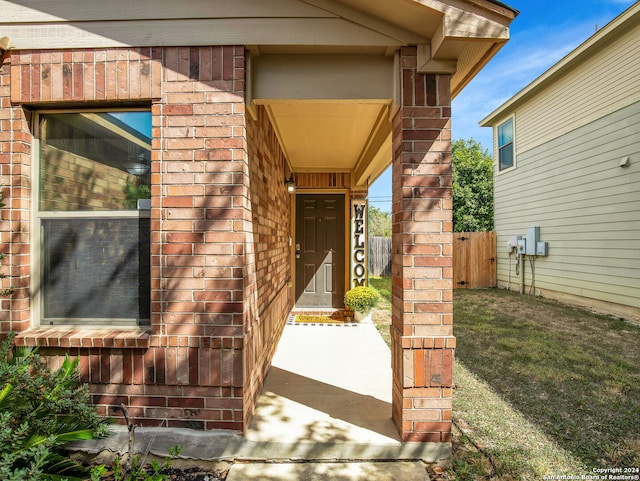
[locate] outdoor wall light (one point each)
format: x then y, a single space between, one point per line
139 167
4 48
291 185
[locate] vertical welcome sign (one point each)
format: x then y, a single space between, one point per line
359 249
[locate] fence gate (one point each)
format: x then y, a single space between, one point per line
474 259
380 256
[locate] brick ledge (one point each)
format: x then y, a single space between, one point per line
85 338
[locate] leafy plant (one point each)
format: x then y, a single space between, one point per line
41 411
138 471
379 222
133 468
361 298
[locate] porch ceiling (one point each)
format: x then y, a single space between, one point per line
334 136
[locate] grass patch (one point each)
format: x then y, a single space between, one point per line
518 448
381 314
542 388
573 375
383 286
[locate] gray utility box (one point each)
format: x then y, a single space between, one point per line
533 237
542 249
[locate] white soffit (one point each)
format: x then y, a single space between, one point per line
324 136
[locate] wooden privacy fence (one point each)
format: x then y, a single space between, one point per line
474 259
380 256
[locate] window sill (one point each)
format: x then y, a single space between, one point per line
85 338
504 171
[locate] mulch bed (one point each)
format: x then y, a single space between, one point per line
187 474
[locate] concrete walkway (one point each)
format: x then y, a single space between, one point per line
328 384
324 413
327 398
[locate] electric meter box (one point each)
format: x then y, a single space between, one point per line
512 243
533 237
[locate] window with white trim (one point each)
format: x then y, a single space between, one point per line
93 218
505 145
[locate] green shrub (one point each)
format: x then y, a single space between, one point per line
41 411
361 298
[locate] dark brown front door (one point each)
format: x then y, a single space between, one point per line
320 250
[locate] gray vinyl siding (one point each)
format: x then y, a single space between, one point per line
587 208
585 93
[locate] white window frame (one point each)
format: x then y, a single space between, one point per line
37 216
513 145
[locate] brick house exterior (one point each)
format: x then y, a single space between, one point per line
221 224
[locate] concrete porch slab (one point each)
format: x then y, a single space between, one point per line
327 383
328 397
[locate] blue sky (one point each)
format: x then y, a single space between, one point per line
543 33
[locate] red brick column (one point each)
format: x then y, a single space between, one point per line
422 323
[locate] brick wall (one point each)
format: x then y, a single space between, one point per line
268 265
422 321
15 179
217 266
322 180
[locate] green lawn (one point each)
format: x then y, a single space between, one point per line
541 388
381 314
383 286
568 379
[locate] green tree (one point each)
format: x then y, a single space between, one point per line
379 222
472 187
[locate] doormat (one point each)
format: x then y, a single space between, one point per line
314 319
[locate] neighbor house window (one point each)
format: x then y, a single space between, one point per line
92 214
505 145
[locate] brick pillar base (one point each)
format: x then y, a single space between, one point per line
422 324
